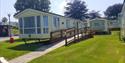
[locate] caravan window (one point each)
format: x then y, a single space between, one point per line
31 25
38 25
29 22
20 23
29 31
56 22
96 24
45 20
38 21
67 23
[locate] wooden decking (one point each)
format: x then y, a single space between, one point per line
78 34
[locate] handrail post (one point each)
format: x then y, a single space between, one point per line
66 43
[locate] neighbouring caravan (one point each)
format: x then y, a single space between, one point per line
114 24
86 23
123 22
34 24
99 25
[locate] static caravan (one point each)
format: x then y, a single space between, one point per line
114 24
123 22
34 24
98 25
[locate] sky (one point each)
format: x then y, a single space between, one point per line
57 6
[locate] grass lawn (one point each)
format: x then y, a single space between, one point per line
10 51
100 49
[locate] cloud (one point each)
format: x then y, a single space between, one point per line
57 6
62 7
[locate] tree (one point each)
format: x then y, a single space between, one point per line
94 14
76 9
113 11
42 5
4 20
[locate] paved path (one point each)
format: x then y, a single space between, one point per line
7 38
40 52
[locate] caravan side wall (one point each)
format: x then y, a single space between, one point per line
123 22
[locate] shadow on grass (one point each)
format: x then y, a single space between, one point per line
15 40
103 33
30 46
34 46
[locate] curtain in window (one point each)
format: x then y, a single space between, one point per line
56 22
67 23
38 25
45 20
